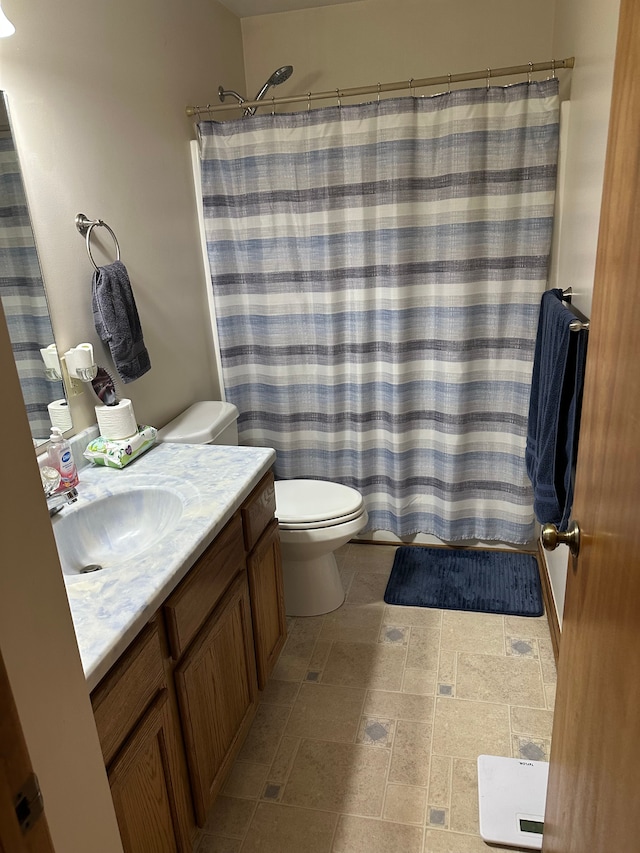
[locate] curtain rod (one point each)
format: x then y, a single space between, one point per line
485 74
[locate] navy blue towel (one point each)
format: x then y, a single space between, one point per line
554 410
116 320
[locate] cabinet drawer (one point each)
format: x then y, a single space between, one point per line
188 607
123 695
258 510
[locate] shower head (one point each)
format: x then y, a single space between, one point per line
279 76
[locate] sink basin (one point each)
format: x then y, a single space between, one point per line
102 533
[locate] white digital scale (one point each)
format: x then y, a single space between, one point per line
512 794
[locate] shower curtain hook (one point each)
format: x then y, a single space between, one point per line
308 101
411 92
378 92
449 84
553 69
338 96
273 105
488 77
530 72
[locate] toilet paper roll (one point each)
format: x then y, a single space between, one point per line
60 415
117 421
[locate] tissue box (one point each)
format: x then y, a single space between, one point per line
116 453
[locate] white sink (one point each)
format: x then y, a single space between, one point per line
109 530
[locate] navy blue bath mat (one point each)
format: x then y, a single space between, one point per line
484 581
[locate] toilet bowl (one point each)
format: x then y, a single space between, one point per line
315 517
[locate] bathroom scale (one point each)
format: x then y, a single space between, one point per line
512 794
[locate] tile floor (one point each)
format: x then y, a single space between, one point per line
367 735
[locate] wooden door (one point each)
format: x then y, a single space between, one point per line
264 567
142 786
594 781
15 770
217 691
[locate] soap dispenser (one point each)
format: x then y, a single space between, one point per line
61 458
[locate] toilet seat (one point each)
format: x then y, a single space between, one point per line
312 504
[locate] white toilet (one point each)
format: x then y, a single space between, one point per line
315 516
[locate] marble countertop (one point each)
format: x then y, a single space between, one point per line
109 608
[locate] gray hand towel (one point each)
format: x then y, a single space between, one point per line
117 323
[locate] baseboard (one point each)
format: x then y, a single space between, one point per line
549 602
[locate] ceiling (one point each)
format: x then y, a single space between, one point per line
248 8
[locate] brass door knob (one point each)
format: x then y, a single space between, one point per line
552 537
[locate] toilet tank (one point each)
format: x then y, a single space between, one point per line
207 422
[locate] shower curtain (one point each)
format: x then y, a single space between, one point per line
377 271
22 294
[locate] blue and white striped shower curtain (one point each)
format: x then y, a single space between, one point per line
377 272
22 293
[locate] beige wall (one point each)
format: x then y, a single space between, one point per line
97 93
587 30
372 41
39 648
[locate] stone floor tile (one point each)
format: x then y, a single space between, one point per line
464 729
411 753
338 777
490 678
362 835
326 712
405 804
467 632
278 828
246 780
372 665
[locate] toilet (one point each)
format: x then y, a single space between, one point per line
315 517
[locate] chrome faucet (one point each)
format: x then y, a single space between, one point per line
51 483
58 501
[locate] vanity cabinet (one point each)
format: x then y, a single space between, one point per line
216 676
136 719
173 713
264 569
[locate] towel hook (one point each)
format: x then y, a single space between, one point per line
85 226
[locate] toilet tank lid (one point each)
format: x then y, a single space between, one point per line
200 423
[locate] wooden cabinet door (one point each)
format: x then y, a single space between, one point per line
217 691
141 786
267 601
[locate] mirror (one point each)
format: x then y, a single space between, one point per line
23 297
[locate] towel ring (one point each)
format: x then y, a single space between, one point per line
85 227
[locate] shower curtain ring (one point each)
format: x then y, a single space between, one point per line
530 72
411 92
449 83
338 96
488 77
308 101
378 92
273 105
553 69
